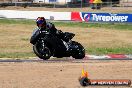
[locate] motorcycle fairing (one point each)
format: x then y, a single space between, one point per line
56 44
35 36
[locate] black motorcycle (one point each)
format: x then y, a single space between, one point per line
46 45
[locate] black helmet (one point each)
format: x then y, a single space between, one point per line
41 22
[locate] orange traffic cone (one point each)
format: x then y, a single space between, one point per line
84 81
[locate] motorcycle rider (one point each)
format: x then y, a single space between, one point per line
43 25
48 41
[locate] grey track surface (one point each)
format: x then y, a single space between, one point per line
59 60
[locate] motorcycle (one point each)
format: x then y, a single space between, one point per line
46 44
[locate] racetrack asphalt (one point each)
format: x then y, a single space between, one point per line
72 60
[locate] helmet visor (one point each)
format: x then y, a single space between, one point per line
40 23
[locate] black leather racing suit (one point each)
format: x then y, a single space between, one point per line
49 26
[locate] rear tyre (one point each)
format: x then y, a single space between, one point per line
42 51
79 52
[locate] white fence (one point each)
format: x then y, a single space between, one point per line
34 14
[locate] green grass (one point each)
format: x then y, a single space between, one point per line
16 21
96 51
90 50
15 55
118 50
119 26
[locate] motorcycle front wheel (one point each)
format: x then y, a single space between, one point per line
79 51
42 51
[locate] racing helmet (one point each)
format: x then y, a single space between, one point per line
41 22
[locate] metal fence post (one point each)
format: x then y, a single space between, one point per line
66 2
81 3
54 3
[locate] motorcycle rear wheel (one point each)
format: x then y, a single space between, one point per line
42 51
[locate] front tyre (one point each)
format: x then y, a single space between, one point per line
42 51
78 51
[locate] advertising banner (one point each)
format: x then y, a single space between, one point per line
100 17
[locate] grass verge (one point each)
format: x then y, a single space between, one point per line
111 39
95 51
118 50
121 26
